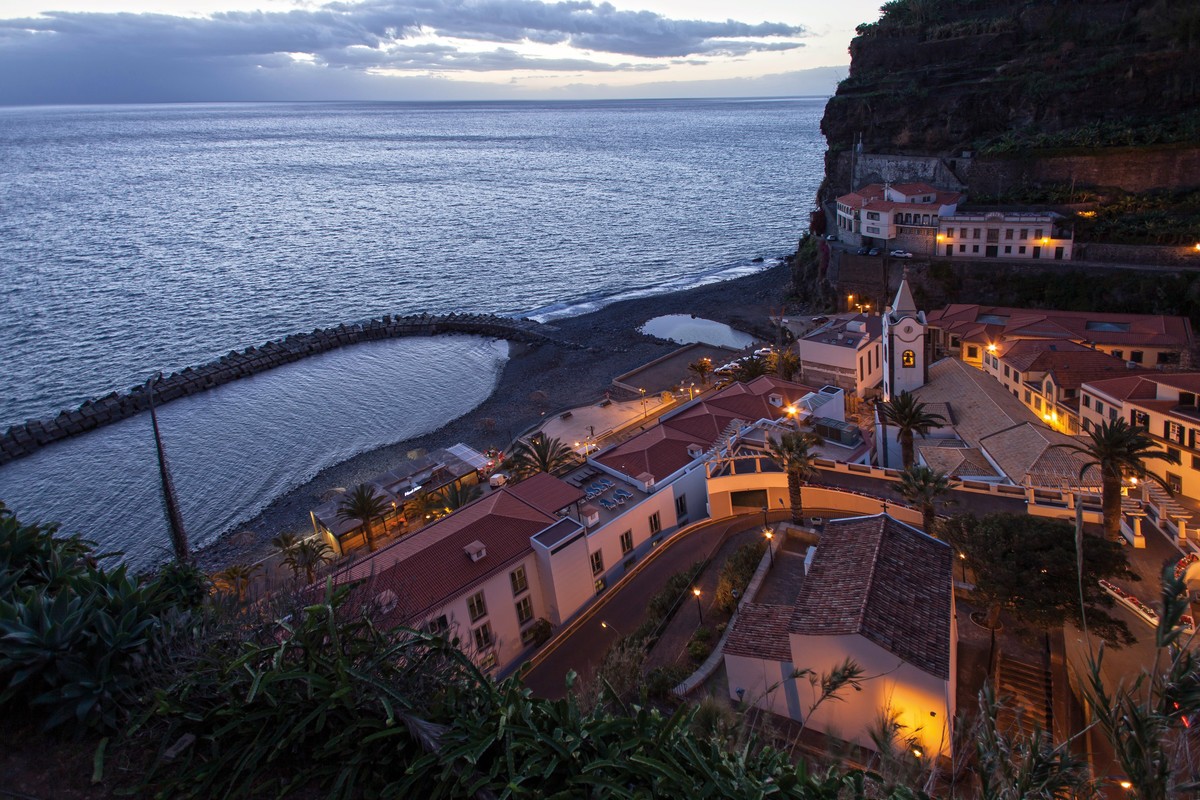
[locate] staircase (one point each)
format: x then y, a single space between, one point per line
1025 689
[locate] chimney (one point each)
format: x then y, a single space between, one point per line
476 550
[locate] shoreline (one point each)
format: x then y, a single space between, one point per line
567 377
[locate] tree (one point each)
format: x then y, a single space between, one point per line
364 504
750 367
785 364
538 454
307 557
922 487
1028 566
235 579
285 542
793 451
457 495
909 416
1119 451
701 368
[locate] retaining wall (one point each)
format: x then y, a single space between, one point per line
21 440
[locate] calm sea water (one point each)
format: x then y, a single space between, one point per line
135 239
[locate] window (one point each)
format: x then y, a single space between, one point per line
1027 396
975 234
476 607
1037 403
626 542
600 585
438 626
1195 462
1037 234
1135 356
1099 407
962 248
1112 413
1139 419
1006 371
1118 353
1021 250
597 562
524 610
1173 431
681 506
1087 401
1166 358
1174 481
483 636
949 233
974 248
655 523
908 358
488 661
1024 233
972 351
1008 235
519 581
873 215
1007 249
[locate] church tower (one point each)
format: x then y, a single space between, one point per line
904 355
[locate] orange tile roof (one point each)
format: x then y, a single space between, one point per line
886 581
761 631
546 493
1144 386
1070 363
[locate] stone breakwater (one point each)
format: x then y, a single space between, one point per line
21 440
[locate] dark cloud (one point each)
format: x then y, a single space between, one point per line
117 57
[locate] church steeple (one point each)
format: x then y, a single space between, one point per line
904 304
905 360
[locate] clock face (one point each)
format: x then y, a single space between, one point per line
907 329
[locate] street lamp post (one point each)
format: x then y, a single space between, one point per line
770 535
645 413
699 608
608 627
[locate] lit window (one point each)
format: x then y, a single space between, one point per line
597 562
524 610
908 358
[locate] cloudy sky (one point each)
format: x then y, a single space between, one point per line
104 51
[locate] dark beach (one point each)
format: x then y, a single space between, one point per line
566 376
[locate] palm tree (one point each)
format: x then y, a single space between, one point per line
922 487
285 542
538 454
786 364
749 368
236 579
426 506
701 368
365 505
909 416
793 451
457 495
307 557
1118 450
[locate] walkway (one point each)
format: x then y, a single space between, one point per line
622 609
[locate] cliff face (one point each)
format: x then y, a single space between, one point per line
1009 80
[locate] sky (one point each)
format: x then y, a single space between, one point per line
133 51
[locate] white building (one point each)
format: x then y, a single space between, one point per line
878 592
845 352
1004 234
904 215
905 359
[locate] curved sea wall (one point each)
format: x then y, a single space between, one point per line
21 440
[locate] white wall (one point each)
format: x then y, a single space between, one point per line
720 490
766 684
566 579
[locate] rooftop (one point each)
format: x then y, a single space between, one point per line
1145 386
995 323
885 580
847 330
761 631
1072 364
956 459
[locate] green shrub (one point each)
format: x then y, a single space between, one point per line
698 650
662 680
736 574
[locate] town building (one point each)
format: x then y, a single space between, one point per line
902 215
967 331
845 352
880 593
1004 234
1046 375
1163 403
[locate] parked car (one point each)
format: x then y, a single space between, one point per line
820 320
901 254
862 251
831 237
874 251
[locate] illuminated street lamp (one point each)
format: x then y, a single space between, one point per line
645 413
699 608
608 627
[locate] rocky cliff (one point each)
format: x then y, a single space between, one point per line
1038 91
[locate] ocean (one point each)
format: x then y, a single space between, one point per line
138 239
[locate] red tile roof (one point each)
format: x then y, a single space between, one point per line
1072 364
873 197
999 323
430 567
663 449
1145 386
887 581
546 493
761 631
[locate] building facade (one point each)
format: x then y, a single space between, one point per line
1004 234
904 215
905 359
